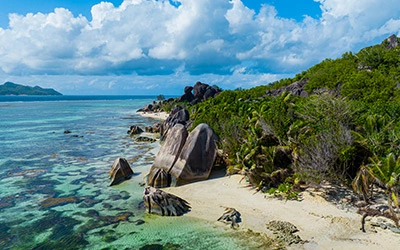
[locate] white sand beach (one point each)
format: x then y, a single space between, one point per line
322 224
155 115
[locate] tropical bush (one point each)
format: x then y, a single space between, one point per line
330 135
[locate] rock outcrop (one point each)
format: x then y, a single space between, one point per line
156 128
187 96
120 171
159 173
392 41
231 216
203 91
134 130
184 158
177 116
163 203
196 158
296 88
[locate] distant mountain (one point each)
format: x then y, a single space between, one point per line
10 88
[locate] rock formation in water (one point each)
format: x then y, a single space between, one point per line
163 203
120 171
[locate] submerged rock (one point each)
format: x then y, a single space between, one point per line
163 203
145 139
134 130
58 201
284 231
120 171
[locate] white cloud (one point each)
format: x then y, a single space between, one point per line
208 37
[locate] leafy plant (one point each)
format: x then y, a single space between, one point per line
384 173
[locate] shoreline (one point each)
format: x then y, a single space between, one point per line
156 115
322 224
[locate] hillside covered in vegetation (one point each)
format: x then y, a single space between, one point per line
337 121
10 88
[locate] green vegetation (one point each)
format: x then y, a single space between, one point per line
10 88
342 132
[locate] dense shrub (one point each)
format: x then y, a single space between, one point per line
323 136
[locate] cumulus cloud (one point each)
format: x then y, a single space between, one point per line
159 37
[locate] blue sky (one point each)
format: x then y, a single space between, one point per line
153 47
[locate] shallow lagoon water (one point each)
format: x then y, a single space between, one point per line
54 191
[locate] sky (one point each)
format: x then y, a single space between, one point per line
141 47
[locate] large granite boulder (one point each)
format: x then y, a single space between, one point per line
163 203
167 156
196 158
179 117
187 96
200 89
120 171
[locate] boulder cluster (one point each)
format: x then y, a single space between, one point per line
184 157
192 95
201 92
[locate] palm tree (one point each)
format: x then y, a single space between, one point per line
384 174
387 176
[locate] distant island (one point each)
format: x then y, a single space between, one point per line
10 88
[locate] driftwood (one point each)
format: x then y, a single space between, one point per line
231 216
163 203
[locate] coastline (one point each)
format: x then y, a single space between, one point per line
322 224
156 115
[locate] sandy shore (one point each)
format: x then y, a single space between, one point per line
156 115
321 223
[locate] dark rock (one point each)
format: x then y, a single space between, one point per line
145 139
139 222
188 89
163 203
147 108
156 128
134 130
195 101
392 42
186 97
231 216
175 110
196 158
180 117
167 156
199 90
296 88
210 92
120 171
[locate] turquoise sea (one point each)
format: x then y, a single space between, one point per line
54 187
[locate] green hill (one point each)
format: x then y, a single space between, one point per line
10 88
327 123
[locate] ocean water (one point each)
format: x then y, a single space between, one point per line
54 187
